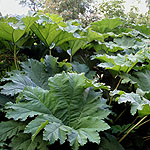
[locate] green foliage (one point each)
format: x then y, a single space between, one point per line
23 141
120 62
4 99
10 129
75 86
63 111
34 73
137 103
110 142
106 25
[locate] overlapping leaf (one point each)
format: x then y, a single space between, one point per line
10 129
24 110
109 142
125 44
19 81
34 73
120 62
142 79
23 141
106 25
137 103
14 31
139 78
39 123
4 99
69 111
83 68
52 33
142 28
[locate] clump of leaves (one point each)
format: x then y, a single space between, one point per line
68 111
68 107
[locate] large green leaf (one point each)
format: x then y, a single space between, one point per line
137 102
83 68
10 129
145 111
50 32
126 44
75 45
54 17
106 25
88 130
120 62
23 142
109 142
71 110
142 79
125 41
34 73
69 94
14 31
36 94
19 81
51 65
39 123
56 131
80 68
142 28
23 110
93 35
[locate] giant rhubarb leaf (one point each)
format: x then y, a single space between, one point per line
23 142
142 79
34 73
139 78
137 103
70 110
120 62
10 129
14 31
51 33
109 142
106 25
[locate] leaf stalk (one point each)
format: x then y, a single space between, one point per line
132 129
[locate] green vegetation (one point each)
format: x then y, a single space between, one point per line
64 86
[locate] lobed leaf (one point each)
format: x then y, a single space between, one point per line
106 25
120 62
10 129
137 102
39 123
24 110
23 141
19 81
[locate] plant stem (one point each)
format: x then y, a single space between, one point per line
144 123
146 138
131 129
118 84
15 56
50 52
128 127
114 89
110 100
120 114
70 59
